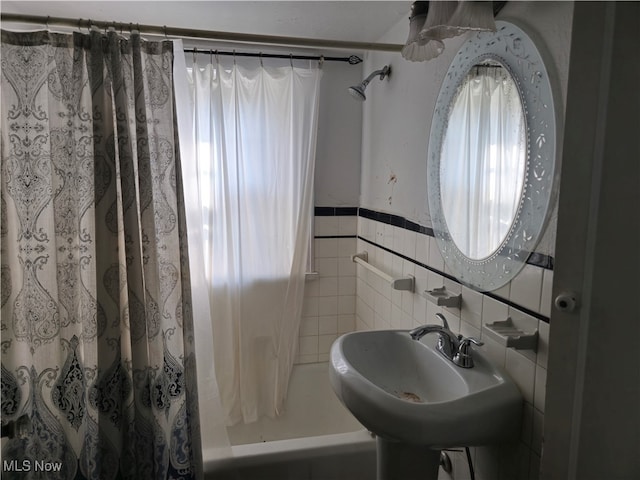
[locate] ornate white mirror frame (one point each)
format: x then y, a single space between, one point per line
516 52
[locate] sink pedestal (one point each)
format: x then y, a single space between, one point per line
403 461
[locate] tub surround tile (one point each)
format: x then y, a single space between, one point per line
327 267
308 345
328 325
493 310
327 305
301 359
347 225
525 323
543 344
323 357
326 247
496 352
502 292
346 267
346 247
310 307
326 226
396 317
545 298
330 298
471 307
409 241
522 371
468 330
540 388
537 436
347 323
422 249
526 434
434 280
420 310
435 257
328 286
526 288
309 326
325 342
347 304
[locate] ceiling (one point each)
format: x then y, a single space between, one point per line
358 21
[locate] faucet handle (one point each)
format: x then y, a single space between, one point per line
466 342
463 357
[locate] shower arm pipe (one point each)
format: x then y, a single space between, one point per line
383 72
166 31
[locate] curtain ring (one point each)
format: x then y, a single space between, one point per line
211 57
234 57
89 26
261 64
80 25
291 59
165 32
217 59
46 25
321 62
195 50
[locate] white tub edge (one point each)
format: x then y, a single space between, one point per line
291 449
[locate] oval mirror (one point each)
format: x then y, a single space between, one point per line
491 159
482 161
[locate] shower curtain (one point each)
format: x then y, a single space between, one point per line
255 135
97 332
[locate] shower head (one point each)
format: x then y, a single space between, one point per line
357 91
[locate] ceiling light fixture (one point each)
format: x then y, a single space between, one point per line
431 22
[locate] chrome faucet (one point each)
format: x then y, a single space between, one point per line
452 346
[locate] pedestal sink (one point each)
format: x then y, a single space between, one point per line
417 401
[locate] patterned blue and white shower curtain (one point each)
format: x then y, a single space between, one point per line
97 333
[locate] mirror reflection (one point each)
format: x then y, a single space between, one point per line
483 160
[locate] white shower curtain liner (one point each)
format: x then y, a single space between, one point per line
254 138
213 432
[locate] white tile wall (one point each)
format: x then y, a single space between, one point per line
329 307
377 307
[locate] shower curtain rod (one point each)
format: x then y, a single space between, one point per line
351 60
203 34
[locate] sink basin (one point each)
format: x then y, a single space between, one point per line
404 390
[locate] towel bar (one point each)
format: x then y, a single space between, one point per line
401 283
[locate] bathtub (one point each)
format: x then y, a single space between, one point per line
315 439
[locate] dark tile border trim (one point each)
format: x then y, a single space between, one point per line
335 236
537 315
395 220
535 259
335 211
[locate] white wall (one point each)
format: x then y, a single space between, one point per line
337 180
398 111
